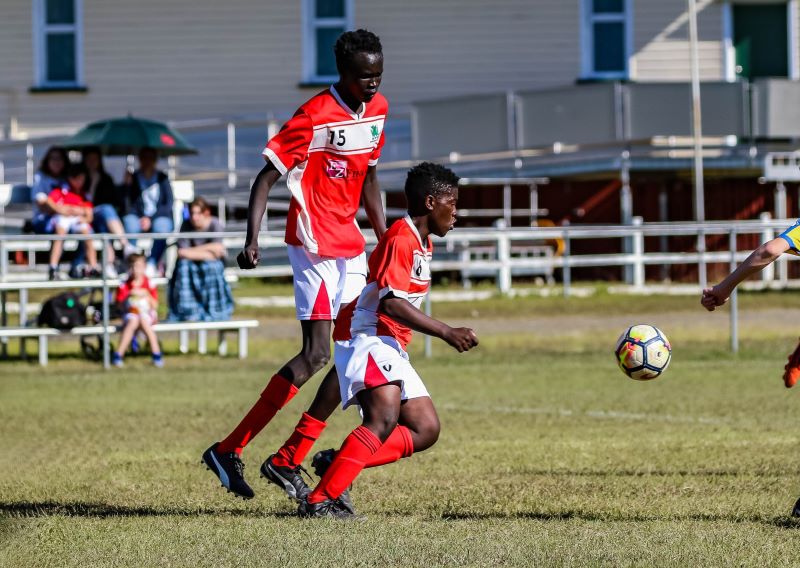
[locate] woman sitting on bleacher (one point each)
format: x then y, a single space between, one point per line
51 175
108 201
198 290
148 205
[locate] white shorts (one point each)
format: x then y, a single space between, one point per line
70 223
322 283
367 362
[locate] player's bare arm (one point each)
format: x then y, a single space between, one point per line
460 338
760 258
263 183
371 200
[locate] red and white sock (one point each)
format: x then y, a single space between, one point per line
354 454
296 448
278 393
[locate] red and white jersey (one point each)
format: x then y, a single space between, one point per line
326 148
129 287
64 196
399 265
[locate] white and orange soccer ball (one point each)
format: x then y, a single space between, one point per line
643 352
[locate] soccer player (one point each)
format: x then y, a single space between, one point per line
329 151
371 337
763 256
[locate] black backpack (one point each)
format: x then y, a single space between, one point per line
63 311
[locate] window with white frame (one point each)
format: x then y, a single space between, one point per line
324 21
606 38
58 38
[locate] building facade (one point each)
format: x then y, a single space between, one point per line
66 62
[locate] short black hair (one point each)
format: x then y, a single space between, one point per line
75 170
427 179
352 42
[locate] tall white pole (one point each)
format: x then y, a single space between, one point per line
697 135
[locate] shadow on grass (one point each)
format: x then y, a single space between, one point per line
784 522
26 509
103 510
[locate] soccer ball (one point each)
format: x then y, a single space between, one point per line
643 352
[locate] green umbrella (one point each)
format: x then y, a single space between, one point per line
124 136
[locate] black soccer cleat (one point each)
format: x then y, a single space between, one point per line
796 510
321 461
230 470
330 508
287 478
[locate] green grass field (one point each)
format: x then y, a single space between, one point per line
548 454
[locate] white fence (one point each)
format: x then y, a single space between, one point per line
456 252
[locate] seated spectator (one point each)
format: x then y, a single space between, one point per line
108 201
140 301
198 290
148 205
69 213
50 176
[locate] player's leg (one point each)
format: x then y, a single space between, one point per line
380 406
791 372
283 468
417 430
223 458
386 361
315 283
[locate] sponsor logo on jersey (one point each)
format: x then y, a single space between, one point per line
337 169
375 132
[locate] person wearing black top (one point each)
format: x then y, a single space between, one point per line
108 201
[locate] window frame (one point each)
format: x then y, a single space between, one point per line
310 26
588 19
729 51
41 29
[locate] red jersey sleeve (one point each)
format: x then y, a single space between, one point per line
376 153
289 147
393 273
123 292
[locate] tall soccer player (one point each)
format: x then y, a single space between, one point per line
371 336
329 151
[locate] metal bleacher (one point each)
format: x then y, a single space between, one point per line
27 279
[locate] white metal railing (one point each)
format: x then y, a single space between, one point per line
503 241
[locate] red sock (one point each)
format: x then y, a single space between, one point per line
296 448
356 450
278 393
398 445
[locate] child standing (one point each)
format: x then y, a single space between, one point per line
140 299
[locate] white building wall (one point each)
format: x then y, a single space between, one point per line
661 41
187 59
